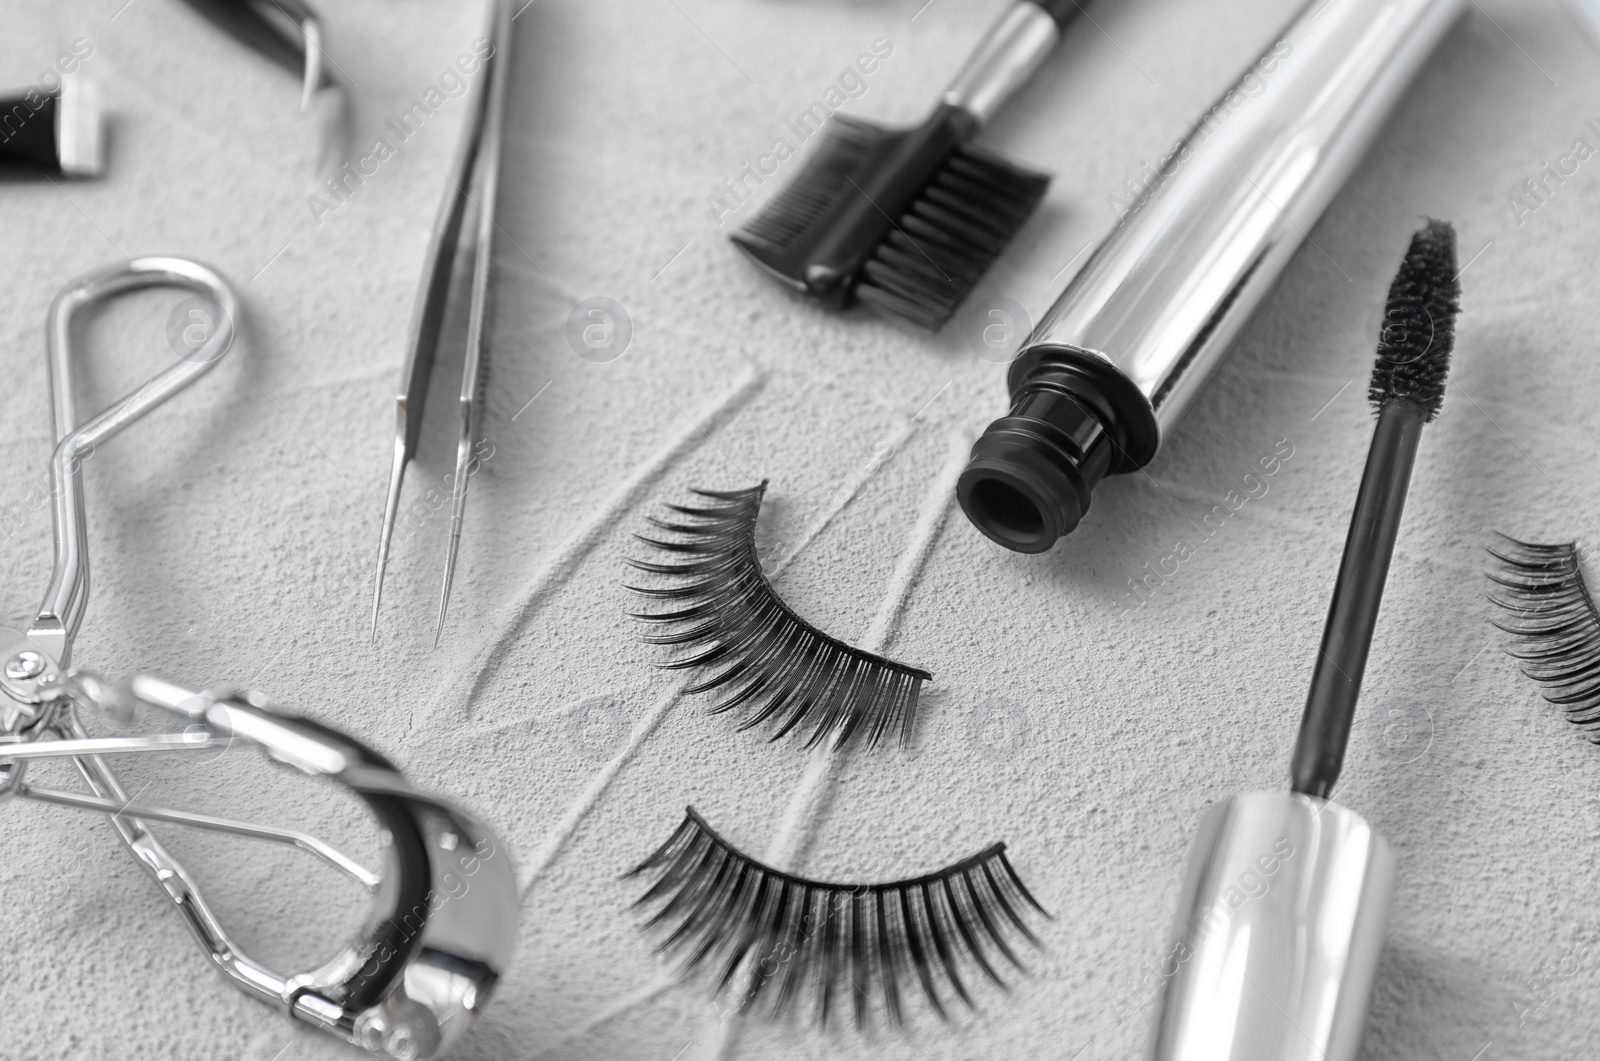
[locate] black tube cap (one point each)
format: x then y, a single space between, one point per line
1033 472
1025 490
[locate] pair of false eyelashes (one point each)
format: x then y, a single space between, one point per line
757 933
782 668
793 935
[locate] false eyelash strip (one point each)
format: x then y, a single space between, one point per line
1557 624
771 662
725 909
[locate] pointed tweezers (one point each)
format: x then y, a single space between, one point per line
477 164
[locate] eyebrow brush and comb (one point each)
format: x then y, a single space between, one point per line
909 220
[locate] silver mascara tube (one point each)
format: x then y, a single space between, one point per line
1124 350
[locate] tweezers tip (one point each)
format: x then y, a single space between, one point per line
377 602
444 591
444 598
313 72
377 577
438 626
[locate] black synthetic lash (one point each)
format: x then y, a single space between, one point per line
723 910
772 662
1556 624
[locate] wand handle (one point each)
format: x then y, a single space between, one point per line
1353 614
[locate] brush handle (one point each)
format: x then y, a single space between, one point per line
58 132
1008 55
28 132
1357 595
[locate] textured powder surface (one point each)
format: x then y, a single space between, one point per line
230 532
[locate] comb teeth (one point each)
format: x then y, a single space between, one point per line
819 185
950 236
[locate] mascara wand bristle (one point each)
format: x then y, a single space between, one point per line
1419 323
1407 389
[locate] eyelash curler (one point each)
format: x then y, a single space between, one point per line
443 916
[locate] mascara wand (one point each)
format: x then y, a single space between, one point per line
1407 390
1282 916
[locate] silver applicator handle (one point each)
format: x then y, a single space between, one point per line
1280 926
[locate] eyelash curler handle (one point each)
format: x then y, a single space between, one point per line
68 594
441 928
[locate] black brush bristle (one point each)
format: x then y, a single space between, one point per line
907 220
1555 621
723 912
766 659
1419 324
960 223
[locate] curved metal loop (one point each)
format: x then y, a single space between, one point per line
68 594
440 931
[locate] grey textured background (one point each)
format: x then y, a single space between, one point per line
229 532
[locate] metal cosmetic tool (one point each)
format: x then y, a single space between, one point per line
439 930
476 165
